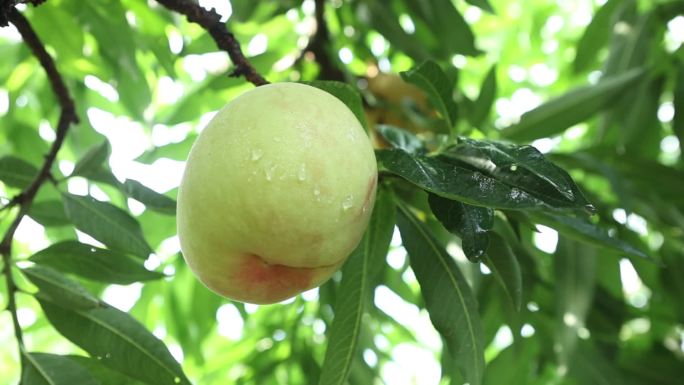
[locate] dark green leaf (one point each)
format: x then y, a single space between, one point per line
555 116
582 229
575 273
49 213
357 277
105 375
448 298
51 369
678 120
106 223
454 182
482 4
641 128
595 36
485 100
92 160
382 18
448 25
16 172
590 366
471 223
60 289
400 138
346 94
93 263
523 167
505 267
118 341
150 198
430 77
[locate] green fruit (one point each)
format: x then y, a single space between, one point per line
277 192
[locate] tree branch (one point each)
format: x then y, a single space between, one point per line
225 40
25 198
319 46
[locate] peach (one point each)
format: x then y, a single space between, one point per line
277 192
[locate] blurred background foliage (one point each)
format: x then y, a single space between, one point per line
145 81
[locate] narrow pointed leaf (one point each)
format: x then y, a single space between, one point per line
52 369
523 167
448 298
92 160
678 120
482 4
346 94
49 213
581 229
106 223
505 268
471 223
595 36
430 77
357 277
575 273
458 183
60 289
400 138
574 107
150 198
94 263
16 172
118 341
485 101
448 23
103 373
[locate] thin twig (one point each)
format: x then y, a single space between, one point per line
225 40
319 46
25 198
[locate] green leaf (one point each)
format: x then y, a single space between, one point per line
576 106
591 366
582 230
51 369
16 172
451 30
118 341
49 213
381 17
102 373
106 223
482 4
448 298
357 277
60 289
430 77
575 274
402 139
678 120
505 267
93 263
346 94
175 151
485 101
456 183
92 161
595 37
471 223
523 167
150 198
